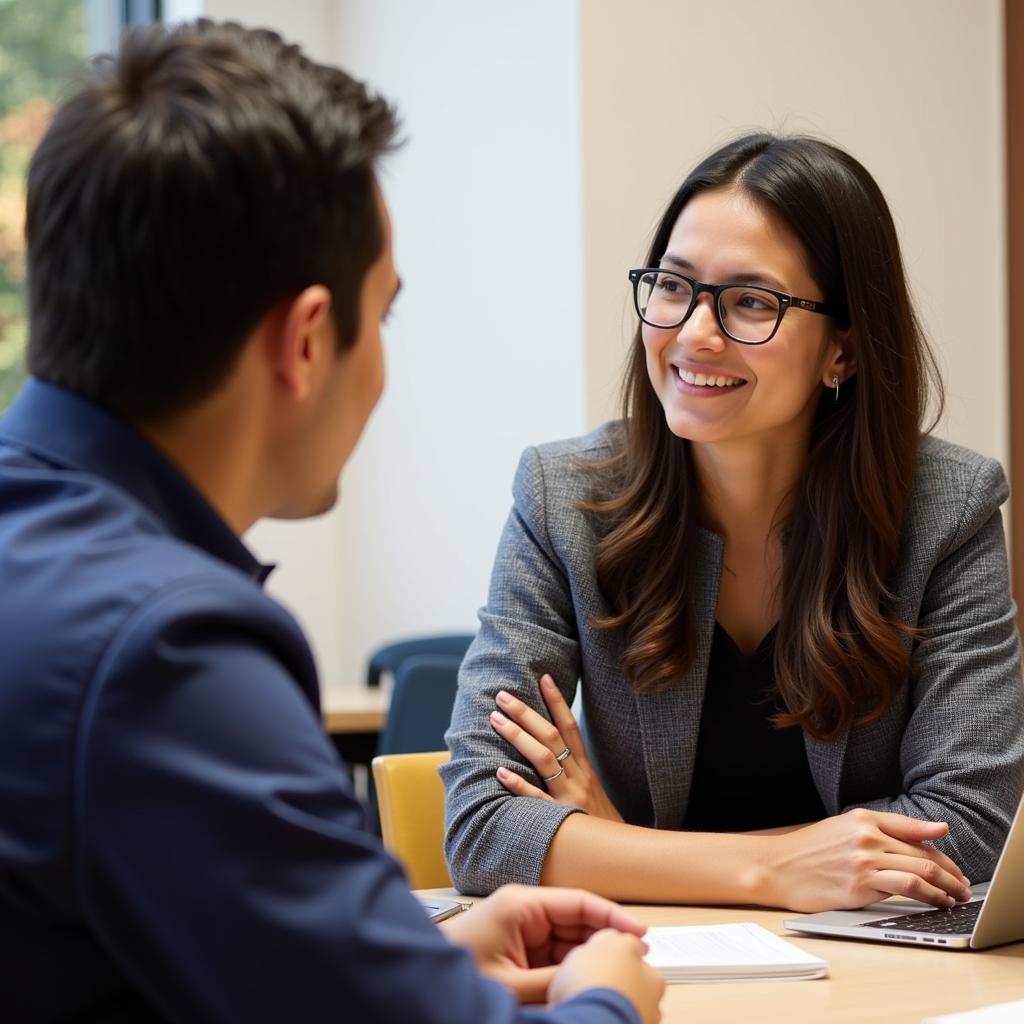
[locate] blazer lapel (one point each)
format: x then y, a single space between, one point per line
859 757
826 758
670 721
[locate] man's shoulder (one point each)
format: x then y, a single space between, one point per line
80 559
105 611
78 535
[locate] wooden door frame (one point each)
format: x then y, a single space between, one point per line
1014 42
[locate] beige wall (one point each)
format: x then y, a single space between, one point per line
912 88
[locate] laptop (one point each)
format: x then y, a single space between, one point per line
441 909
994 914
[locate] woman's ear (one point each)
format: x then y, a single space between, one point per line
306 340
840 364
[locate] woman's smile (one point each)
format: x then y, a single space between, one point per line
707 382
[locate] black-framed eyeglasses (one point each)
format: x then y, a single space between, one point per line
749 314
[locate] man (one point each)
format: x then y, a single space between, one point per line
209 263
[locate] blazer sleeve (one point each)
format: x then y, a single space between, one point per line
222 861
527 628
962 751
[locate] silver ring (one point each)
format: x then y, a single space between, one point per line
564 755
561 771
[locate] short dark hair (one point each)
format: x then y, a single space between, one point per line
195 179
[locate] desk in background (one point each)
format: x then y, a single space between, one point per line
360 711
867 982
354 722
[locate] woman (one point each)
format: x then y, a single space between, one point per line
788 608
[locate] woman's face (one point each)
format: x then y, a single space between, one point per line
724 236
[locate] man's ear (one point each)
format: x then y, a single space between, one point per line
305 340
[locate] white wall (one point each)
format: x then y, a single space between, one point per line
485 346
914 89
310 23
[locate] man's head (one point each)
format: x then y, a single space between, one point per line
196 182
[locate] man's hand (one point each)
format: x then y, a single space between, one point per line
612 960
521 934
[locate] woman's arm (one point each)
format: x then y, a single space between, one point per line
962 751
848 860
527 627
843 862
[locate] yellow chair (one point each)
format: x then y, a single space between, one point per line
410 796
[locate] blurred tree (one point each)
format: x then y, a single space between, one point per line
42 44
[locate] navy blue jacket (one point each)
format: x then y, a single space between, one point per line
178 839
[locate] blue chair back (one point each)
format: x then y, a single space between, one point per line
389 658
421 704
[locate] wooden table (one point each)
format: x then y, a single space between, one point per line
354 723
360 711
867 983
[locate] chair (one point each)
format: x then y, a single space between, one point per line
388 659
418 715
421 704
411 801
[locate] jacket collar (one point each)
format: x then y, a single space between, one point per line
69 431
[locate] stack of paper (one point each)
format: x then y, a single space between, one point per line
728 952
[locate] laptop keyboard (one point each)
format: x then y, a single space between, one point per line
958 920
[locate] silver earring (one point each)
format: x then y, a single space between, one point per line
835 384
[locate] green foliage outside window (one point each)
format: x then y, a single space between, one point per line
42 45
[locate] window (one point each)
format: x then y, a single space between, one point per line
42 44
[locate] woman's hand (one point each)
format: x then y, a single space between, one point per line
860 857
555 750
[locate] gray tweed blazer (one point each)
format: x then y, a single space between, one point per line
951 747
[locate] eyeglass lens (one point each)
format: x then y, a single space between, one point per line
747 313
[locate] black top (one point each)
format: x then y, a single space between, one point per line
748 774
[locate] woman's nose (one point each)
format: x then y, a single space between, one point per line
701 329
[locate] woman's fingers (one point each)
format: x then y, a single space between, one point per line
544 762
561 715
900 829
534 723
914 887
940 863
900 826
518 786
919 878
554 750
571 781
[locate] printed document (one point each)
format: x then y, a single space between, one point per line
728 952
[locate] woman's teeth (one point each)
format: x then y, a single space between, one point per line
703 380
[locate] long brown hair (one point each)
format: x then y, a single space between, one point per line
840 655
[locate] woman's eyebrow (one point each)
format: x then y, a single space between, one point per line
676 261
740 277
